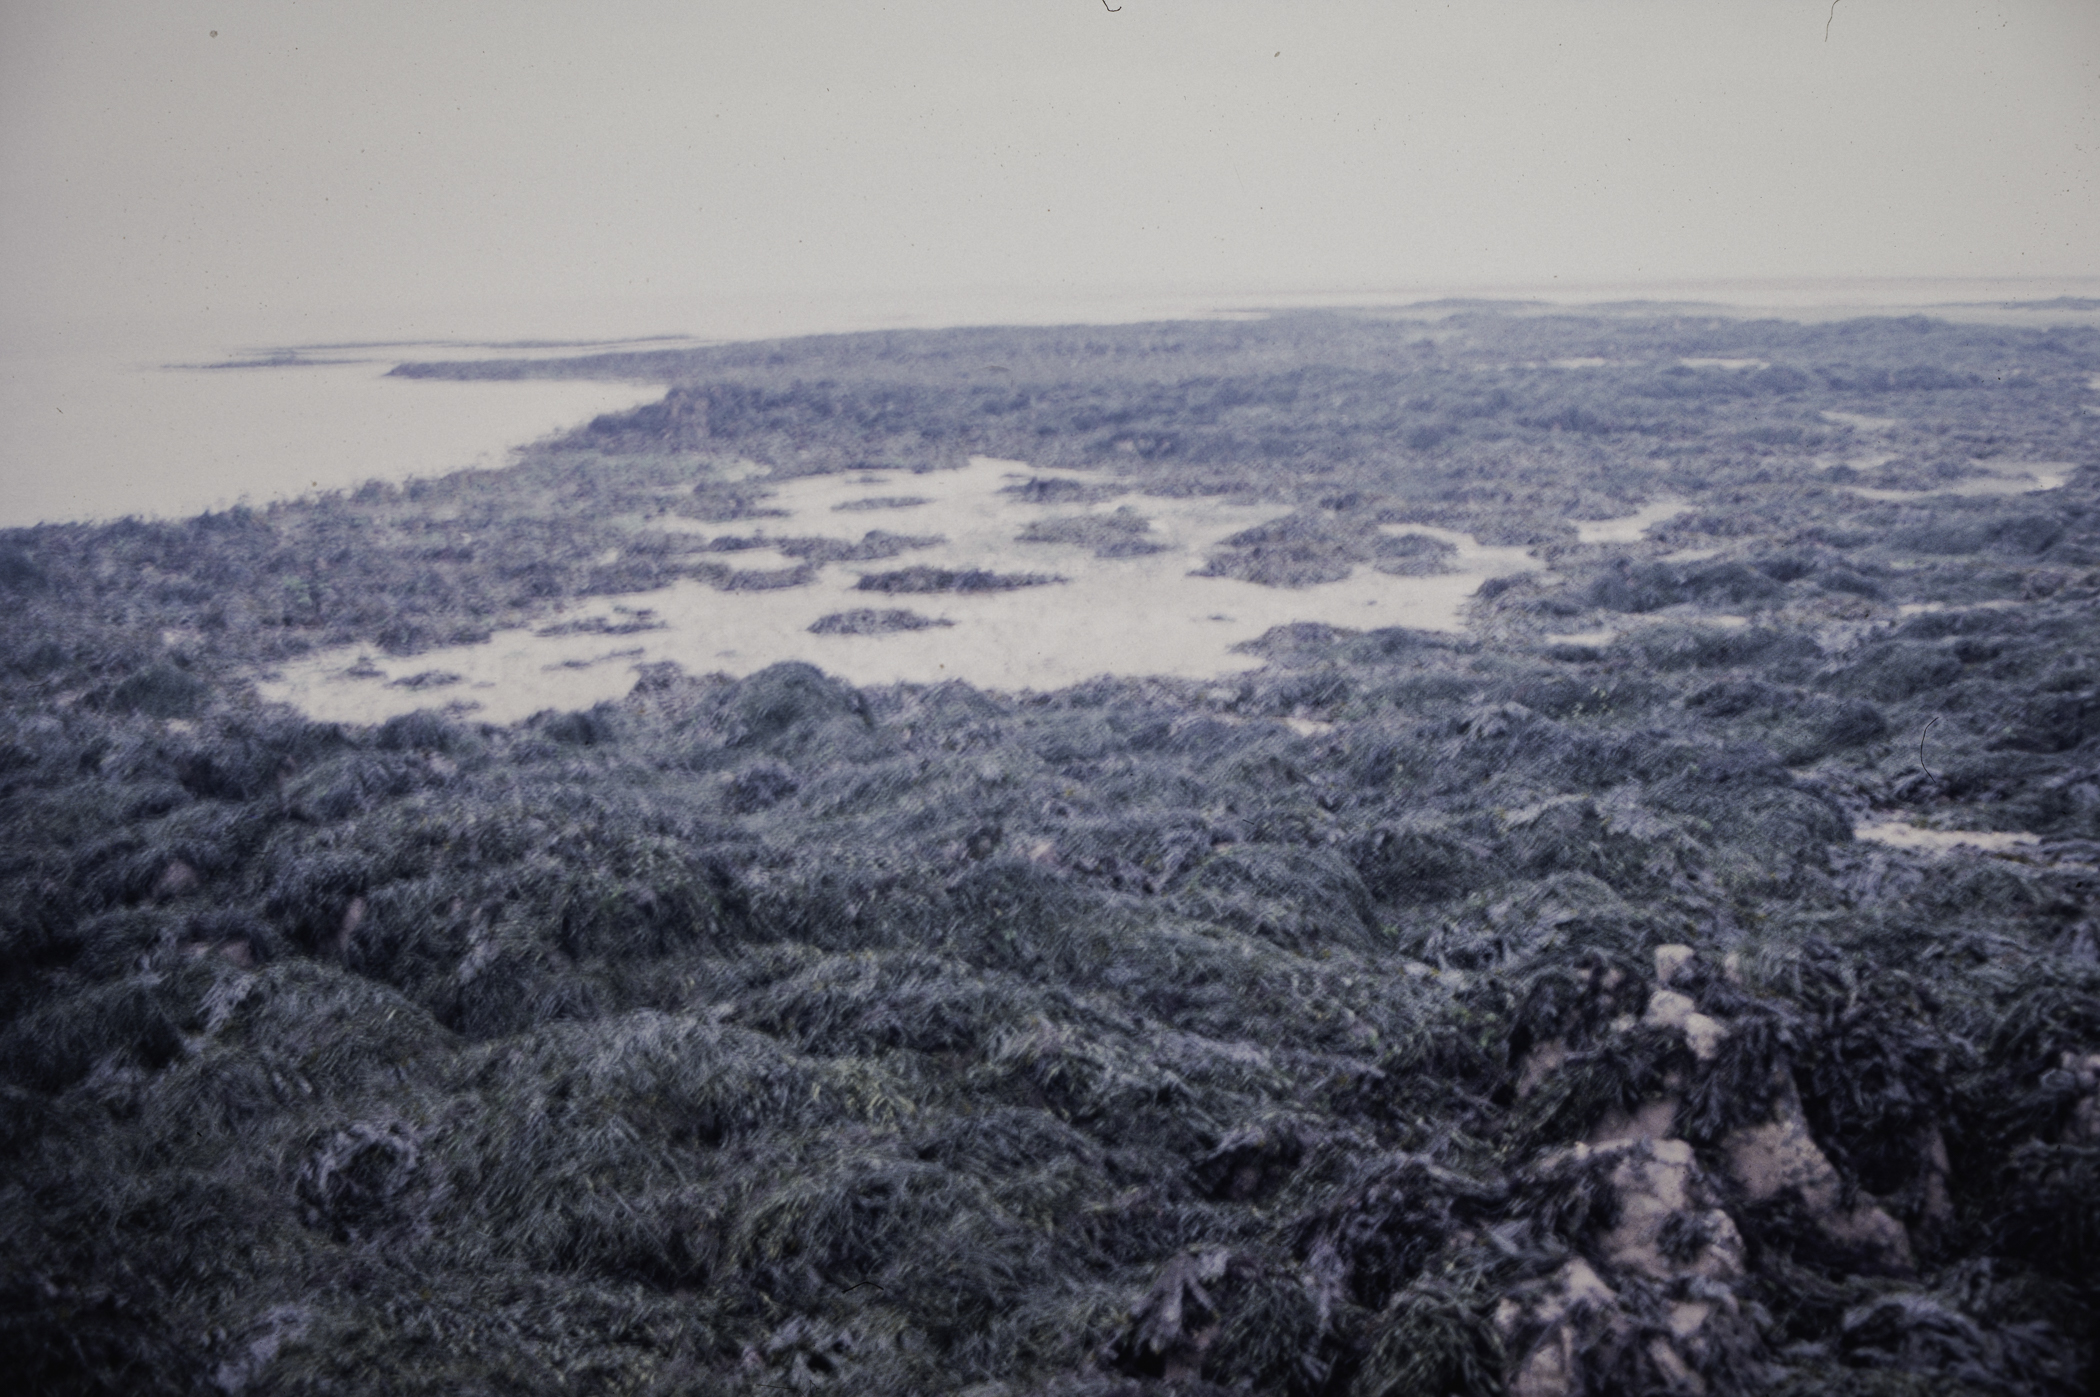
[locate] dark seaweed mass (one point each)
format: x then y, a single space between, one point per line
1413 555
874 544
1438 1014
868 620
1117 535
884 502
1059 490
624 621
1324 545
929 579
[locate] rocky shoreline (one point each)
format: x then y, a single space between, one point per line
1552 1007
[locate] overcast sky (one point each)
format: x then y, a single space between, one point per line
392 161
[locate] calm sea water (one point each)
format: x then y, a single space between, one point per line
101 435
98 425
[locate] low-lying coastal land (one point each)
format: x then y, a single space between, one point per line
784 888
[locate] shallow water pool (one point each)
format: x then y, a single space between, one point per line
1128 615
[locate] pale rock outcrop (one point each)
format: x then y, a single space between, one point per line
1661 1190
1667 1008
1672 964
1769 1158
1668 1234
1702 1032
1559 1309
1670 1237
1651 1120
1779 1154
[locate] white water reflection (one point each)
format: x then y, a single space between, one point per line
1859 421
2003 480
1124 615
1904 835
1628 528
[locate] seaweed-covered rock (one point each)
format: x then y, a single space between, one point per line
422 730
1228 1317
1300 898
1778 1159
784 698
932 579
760 787
1419 862
1299 550
1413 555
356 1182
161 691
1897 671
868 620
1117 535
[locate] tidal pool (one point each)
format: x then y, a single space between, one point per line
1144 614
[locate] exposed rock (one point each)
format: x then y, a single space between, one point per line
1780 1155
1669 1244
1651 1120
175 880
1764 1160
1557 1311
1672 963
1673 1368
1704 1034
1542 1062
1669 1009
1673 1254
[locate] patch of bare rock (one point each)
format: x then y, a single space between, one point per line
1657 1294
